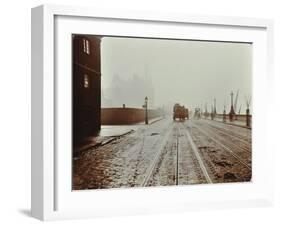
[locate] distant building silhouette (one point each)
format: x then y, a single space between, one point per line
131 92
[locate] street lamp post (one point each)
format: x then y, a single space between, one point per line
145 105
215 107
248 117
248 122
232 112
224 114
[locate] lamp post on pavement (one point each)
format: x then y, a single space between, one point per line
224 114
248 116
145 105
215 107
232 112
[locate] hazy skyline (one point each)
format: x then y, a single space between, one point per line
187 72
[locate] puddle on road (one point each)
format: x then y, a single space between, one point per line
154 134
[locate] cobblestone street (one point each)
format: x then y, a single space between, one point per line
167 152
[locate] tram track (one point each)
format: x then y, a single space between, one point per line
198 156
199 170
156 158
243 148
223 146
178 149
242 139
177 160
229 129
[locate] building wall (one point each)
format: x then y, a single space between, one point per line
126 116
86 86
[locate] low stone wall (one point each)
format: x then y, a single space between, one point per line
236 117
126 116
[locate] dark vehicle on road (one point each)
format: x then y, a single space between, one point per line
180 112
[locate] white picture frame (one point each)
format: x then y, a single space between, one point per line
52 197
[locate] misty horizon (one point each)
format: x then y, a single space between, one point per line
191 73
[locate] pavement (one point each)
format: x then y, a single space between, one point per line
109 133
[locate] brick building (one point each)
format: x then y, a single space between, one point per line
86 86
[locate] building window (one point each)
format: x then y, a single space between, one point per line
86 81
86 46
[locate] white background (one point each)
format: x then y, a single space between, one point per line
110 202
15 112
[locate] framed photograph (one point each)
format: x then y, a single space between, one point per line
137 112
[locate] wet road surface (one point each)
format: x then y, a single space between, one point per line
168 153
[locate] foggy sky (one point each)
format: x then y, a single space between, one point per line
191 73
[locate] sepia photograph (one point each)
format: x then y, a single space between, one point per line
160 112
